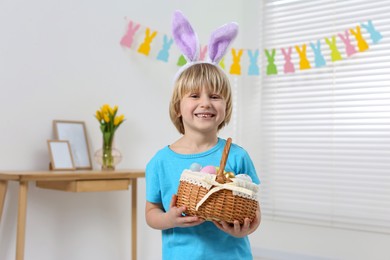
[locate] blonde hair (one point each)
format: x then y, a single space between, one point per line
193 79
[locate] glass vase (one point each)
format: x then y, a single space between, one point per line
108 157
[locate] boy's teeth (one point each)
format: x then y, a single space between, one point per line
204 115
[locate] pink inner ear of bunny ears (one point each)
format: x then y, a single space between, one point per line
185 37
220 40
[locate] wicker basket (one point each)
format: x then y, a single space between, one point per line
216 200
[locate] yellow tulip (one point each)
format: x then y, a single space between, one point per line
105 108
98 116
118 120
110 111
106 118
115 109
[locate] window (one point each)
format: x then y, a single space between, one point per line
325 131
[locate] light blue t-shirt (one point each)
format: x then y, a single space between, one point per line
204 241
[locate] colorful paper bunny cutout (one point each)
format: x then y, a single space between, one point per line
187 41
304 62
362 44
127 39
222 63
181 61
335 54
253 69
271 67
163 54
144 48
349 48
374 34
288 65
319 59
203 52
235 68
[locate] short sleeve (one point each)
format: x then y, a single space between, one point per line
153 190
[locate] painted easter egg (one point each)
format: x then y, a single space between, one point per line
209 169
229 175
195 167
245 177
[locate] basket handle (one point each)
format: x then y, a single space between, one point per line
220 176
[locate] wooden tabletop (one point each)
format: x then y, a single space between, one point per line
48 175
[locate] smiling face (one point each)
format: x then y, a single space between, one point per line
201 99
202 111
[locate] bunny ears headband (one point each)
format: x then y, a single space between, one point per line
188 43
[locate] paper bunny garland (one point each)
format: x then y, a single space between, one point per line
192 52
187 40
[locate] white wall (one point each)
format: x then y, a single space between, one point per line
62 60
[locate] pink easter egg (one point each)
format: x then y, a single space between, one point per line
209 169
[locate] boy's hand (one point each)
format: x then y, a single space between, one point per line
176 219
238 230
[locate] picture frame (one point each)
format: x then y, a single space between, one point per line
74 132
60 155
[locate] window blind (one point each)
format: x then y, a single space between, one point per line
325 131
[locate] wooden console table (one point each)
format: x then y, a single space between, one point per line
73 181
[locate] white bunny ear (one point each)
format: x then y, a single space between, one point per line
185 37
220 40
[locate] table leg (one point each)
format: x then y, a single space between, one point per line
3 191
21 228
134 219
